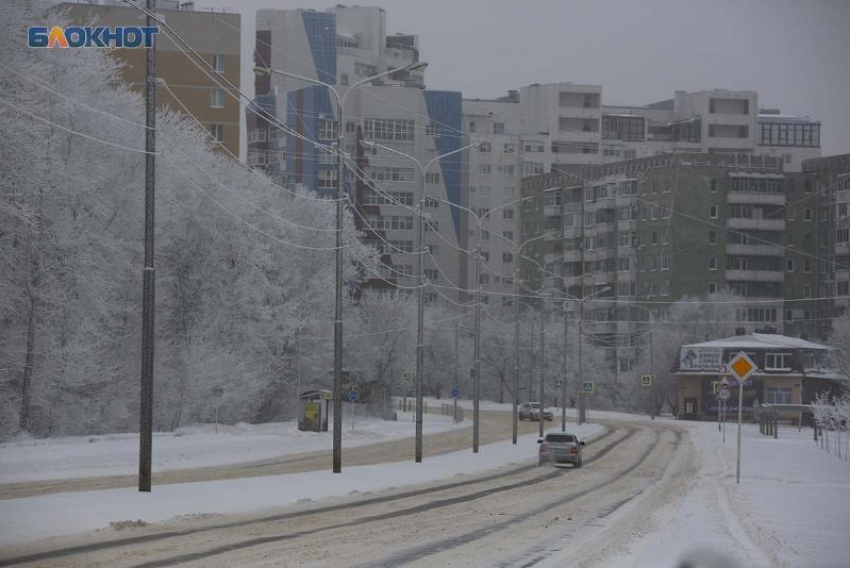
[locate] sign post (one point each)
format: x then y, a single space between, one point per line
353 395
742 367
455 393
217 393
587 388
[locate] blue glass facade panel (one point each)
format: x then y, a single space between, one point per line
444 111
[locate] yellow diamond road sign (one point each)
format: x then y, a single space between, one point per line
742 366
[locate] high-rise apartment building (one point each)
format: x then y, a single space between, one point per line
664 227
831 201
340 47
547 128
214 35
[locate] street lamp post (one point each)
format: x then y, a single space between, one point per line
340 163
420 281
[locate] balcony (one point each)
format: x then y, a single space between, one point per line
552 235
756 224
757 198
755 276
552 210
755 250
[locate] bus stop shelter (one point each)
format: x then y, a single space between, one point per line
313 410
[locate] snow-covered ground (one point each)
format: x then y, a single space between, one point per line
31 459
32 518
791 509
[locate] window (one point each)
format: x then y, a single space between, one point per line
472 126
431 129
508 148
807 265
432 178
807 214
778 395
384 174
432 202
509 170
483 278
712 237
713 186
507 213
789 265
712 213
789 239
392 223
712 288
432 226
665 262
712 262
217 98
484 169
217 131
777 361
485 147
807 291
507 257
432 274
498 128
390 129
327 129
218 62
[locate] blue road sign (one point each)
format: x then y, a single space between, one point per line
588 386
455 392
352 396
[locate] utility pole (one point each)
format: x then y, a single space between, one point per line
582 397
340 196
149 275
542 364
564 366
420 313
516 355
477 382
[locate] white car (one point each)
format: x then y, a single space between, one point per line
531 411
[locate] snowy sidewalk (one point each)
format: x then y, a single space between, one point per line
32 518
791 509
193 446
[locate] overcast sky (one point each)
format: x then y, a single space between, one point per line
795 53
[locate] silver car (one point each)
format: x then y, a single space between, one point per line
560 448
531 411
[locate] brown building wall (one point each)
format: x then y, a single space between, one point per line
208 33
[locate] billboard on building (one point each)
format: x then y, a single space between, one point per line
700 358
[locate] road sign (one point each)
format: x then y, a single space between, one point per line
558 383
455 392
724 383
353 396
407 376
724 394
741 366
217 391
588 386
646 380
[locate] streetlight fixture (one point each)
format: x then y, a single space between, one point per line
340 108
420 305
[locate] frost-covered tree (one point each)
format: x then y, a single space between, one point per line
244 269
689 320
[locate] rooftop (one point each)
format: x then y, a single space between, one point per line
761 341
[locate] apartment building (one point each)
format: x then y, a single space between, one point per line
831 200
216 36
554 126
740 223
340 47
716 121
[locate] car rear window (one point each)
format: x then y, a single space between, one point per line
564 438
